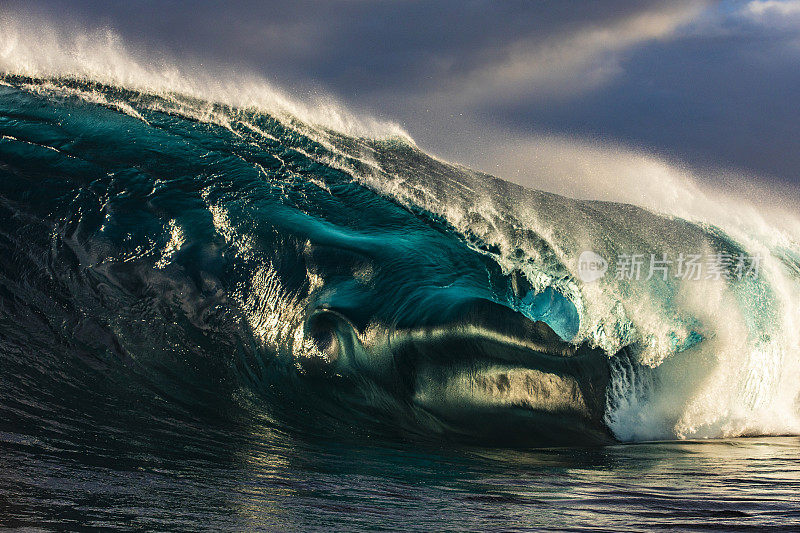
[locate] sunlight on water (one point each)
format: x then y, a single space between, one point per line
221 308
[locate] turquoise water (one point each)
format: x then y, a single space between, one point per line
222 317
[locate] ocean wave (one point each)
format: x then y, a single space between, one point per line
204 252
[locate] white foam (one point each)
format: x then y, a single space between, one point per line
746 385
33 47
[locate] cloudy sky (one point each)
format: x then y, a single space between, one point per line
710 84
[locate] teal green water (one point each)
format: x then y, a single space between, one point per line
216 318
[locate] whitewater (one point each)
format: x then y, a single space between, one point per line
224 306
703 359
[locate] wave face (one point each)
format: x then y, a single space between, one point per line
167 260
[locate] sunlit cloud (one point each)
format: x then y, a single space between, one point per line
781 17
710 83
773 8
572 63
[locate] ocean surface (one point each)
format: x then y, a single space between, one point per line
229 313
741 484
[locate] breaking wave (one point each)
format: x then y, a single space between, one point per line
180 248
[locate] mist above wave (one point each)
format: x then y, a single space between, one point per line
749 386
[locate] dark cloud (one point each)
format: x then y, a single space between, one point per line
710 83
348 45
723 96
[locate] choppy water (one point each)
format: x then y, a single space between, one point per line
221 314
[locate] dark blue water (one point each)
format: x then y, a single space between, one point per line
744 484
214 317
